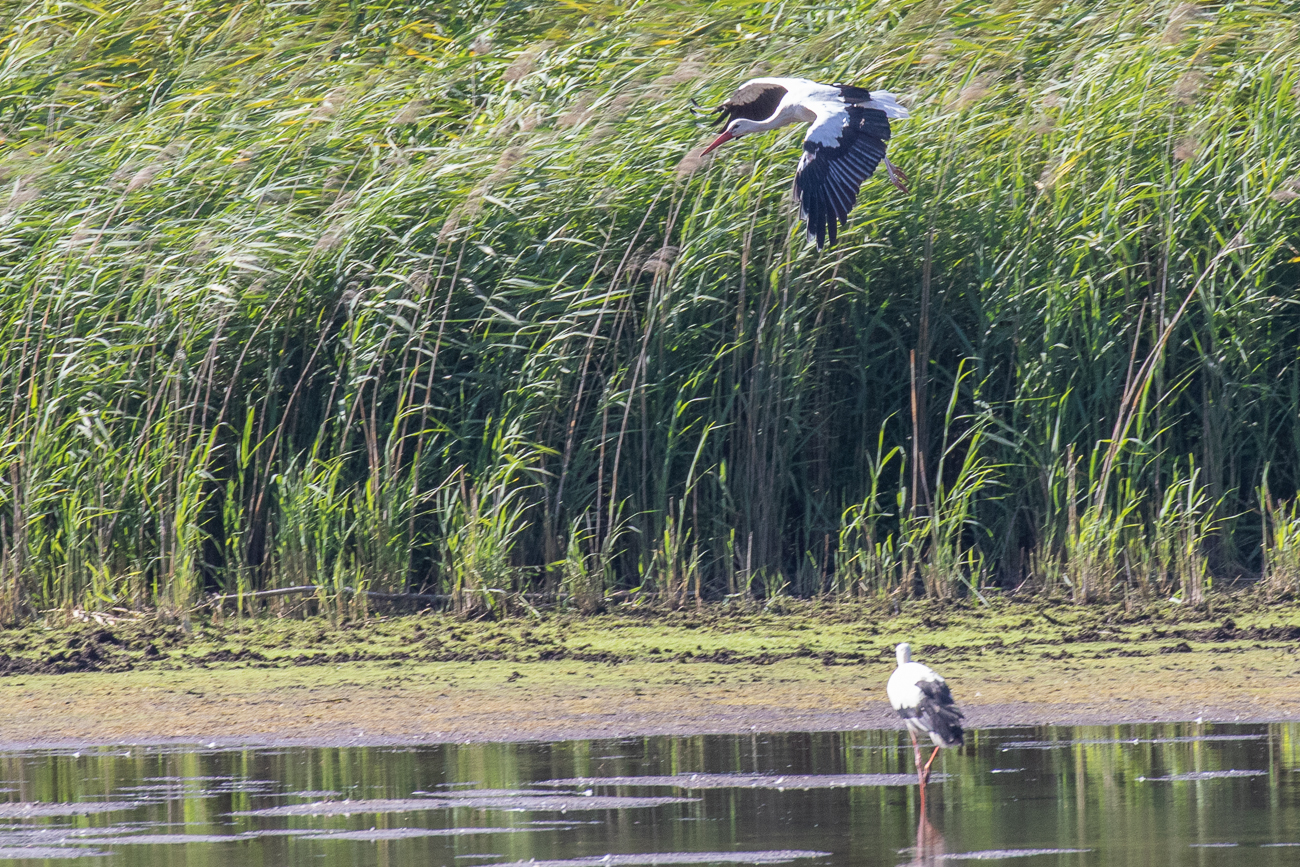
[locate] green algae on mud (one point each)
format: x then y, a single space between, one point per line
836 633
796 665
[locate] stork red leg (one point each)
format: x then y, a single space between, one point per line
925 773
916 752
897 176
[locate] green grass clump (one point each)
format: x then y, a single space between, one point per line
444 298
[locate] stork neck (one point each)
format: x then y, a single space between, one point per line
784 115
904 652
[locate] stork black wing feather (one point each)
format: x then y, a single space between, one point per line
828 178
851 93
754 102
939 714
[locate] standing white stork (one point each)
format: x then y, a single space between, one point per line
842 148
924 702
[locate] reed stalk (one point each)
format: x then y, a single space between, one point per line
449 301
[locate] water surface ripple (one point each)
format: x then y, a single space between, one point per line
1180 794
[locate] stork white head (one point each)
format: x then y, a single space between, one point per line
904 652
738 127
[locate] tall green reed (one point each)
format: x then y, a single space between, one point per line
276 283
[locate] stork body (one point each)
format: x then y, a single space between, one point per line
923 700
849 127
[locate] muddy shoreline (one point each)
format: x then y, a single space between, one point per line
363 705
427 678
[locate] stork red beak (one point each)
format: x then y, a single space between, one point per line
722 139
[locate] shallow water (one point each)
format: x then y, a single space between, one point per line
1118 795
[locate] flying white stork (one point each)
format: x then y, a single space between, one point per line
924 702
842 148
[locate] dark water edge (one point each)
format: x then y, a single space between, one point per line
1152 794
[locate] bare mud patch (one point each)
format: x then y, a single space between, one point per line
41 809
747 781
779 856
1000 854
513 803
1197 776
16 853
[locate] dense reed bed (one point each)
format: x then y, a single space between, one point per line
443 298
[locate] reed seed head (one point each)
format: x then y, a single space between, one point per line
690 163
330 105
577 113
1186 148
972 92
330 238
1181 15
1287 191
1042 125
143 177
412 112
658 263
23 191
524 63
1188 86
418 282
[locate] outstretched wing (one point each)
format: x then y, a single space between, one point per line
754 100
840 151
